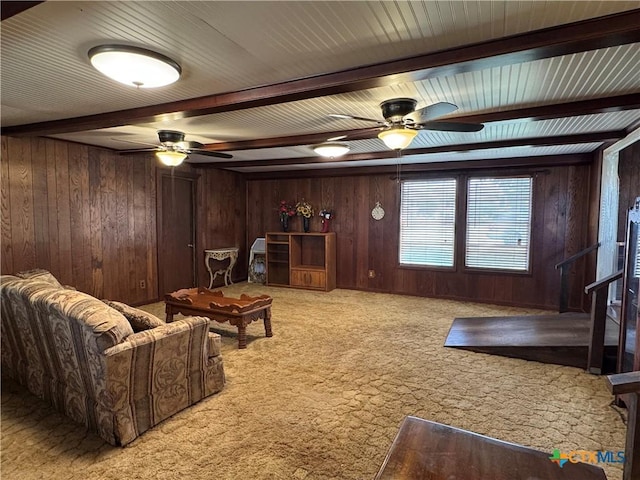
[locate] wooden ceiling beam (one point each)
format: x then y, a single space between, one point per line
412 169
608 31
291 140
464 147
11 8
544 112
578 108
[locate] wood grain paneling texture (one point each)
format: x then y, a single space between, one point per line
88 215
83 213
561 224
221 220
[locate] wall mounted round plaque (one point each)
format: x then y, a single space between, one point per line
378 212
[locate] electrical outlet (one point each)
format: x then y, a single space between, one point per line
143 284
372 274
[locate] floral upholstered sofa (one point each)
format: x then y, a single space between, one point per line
118 374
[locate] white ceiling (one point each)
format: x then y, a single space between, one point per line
229 47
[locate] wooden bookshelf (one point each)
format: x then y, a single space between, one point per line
301 260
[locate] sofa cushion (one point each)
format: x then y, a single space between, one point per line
41 275
95 319
139 319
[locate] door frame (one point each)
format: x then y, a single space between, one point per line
163 173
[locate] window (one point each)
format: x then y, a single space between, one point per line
497 214
498 223
427 222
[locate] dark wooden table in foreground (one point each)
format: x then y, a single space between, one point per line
239 312
428 450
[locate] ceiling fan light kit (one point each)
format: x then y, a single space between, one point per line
402 121
134 66
174 149
397 138
331 150
171 158
395 109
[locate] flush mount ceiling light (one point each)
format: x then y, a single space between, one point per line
134 66
171 158
397 138
331 149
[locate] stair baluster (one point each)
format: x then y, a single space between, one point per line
564 268
600 291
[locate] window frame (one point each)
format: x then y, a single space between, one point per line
463 251
417 266
460 232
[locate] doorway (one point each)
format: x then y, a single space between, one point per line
176 231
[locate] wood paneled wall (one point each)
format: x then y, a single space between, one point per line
221 220
88 215
561 214
85 214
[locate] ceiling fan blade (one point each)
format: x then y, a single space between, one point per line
351 117
360 134
209 153
134 142
335 139
430 112
139 150
451 126
190 145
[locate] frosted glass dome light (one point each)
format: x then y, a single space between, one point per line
397 138
134 66
331 150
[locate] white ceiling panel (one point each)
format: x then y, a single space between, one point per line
230 46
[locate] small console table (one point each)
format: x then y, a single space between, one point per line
221 254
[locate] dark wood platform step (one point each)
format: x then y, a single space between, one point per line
560 339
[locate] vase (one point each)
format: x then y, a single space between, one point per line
305 224
284 221
325 225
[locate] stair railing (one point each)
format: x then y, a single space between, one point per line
564 267
598 326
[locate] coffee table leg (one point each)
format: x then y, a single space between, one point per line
242 336
267 322
169 312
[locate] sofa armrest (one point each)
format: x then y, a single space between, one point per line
195 327
155 373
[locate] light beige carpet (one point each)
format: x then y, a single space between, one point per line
323 399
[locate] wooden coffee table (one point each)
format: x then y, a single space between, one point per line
239 312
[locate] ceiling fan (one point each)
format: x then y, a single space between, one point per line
173 148
402 121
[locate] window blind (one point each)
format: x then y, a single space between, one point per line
427 222
498 223
637 266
